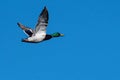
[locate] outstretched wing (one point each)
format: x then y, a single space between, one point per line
27 30
42 21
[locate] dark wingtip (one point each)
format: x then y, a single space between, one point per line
44 13
18 23
45 7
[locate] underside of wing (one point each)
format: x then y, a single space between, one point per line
28 31
42 21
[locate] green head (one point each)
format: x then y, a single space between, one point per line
57 34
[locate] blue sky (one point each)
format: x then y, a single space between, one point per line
90 49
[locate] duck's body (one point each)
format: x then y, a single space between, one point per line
39 34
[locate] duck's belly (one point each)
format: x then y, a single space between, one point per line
36 38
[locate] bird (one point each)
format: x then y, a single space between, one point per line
39 33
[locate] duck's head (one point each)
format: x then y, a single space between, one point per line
57 34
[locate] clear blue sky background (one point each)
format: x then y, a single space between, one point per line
90 49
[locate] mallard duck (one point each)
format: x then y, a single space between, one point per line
39 34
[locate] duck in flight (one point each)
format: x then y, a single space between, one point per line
39 34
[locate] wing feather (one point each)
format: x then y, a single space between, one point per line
27 31
42 21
